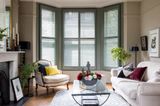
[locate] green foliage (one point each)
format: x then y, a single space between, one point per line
120 54
25 73
2 33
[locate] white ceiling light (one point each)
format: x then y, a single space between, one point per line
2 6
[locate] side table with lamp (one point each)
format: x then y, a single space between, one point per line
135 49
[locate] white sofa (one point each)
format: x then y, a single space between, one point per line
138 93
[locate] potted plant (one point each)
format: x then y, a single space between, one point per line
2 41
2 33
25 73
120 54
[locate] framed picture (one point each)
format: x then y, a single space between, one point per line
144 43
17 88
154 41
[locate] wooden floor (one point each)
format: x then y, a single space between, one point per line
42 99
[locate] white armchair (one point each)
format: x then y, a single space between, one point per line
50 80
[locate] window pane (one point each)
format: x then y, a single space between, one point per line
87 52
48 50
48 23
108 45
87 20
111 23
71 52
71 25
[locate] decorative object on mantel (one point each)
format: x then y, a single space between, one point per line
135 49
17 88
15 39
2 40
144 43
154 41
120 54
87 77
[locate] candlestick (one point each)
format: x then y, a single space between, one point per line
16 28
13 35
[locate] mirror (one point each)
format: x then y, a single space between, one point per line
5 19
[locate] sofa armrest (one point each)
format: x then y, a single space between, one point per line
149 89
115 71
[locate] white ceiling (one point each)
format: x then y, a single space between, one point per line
80 3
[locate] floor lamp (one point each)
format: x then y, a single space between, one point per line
135 49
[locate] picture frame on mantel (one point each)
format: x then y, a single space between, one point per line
154 43
17 89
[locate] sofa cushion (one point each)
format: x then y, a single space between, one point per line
115 81
137 74
129 89
52 70
56 78
156 77
41 68
121 75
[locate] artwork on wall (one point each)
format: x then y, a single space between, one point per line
154 42
144 43
17 88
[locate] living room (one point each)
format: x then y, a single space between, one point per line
77 37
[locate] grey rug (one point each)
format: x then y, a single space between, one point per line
64 98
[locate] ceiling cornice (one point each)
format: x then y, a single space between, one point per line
81 3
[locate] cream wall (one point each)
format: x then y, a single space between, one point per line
27 23
131 17
150 19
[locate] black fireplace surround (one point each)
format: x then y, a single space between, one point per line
4 83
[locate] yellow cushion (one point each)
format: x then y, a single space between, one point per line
52 70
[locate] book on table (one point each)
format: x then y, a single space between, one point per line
90 101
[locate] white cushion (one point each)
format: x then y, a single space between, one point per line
126 72
151 68
56 78
156 77
129 89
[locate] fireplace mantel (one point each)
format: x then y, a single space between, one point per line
12 57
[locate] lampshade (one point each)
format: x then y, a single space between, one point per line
2 6
134 48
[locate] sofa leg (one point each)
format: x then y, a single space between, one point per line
36 89
67 86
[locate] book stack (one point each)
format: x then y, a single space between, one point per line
90 101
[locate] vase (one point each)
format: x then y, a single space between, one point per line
3 45
89 82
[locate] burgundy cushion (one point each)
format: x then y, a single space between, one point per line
137 73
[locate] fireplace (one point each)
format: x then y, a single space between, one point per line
4 83
10 60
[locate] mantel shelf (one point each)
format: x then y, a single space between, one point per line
11 52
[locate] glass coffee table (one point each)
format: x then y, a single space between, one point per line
95 95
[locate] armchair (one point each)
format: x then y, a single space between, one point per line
49 80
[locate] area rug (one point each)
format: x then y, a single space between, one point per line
64 98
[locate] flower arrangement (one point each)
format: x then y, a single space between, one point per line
89 76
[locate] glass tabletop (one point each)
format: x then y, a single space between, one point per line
79 89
